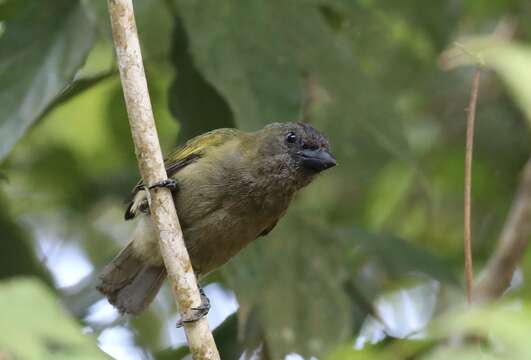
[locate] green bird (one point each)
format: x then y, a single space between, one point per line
230 187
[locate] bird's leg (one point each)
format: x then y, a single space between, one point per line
199 312
168 183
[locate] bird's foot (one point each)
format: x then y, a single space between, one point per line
198 312
168 183
145 205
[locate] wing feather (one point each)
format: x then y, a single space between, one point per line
193 150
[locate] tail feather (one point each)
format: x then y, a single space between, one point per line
129 283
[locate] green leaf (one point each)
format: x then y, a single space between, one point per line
10 8
403 349
511 60
17 255
504 329
388 191
258 54
34 326
499 331
293 280
347 352
78 87
40 52
397 256
193 100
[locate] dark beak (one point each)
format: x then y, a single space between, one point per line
317 159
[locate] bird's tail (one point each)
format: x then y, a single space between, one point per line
129 283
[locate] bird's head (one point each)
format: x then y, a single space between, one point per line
298 147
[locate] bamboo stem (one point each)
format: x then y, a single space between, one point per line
151 165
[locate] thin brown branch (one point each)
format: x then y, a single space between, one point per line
471 117
151 165
498 273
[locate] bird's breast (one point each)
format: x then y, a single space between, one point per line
221 212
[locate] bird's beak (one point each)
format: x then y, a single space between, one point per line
317 159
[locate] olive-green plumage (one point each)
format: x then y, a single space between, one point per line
233 187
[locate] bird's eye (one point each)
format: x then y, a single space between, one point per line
291 137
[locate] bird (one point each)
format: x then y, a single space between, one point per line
230 187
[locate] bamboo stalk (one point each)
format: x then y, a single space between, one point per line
151 165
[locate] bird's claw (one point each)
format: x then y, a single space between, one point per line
198 312
168 183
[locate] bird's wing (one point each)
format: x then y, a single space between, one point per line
184 155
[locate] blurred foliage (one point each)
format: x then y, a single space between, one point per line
16 251
371 251
35 327
191 96
461 334
42 49
511 60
